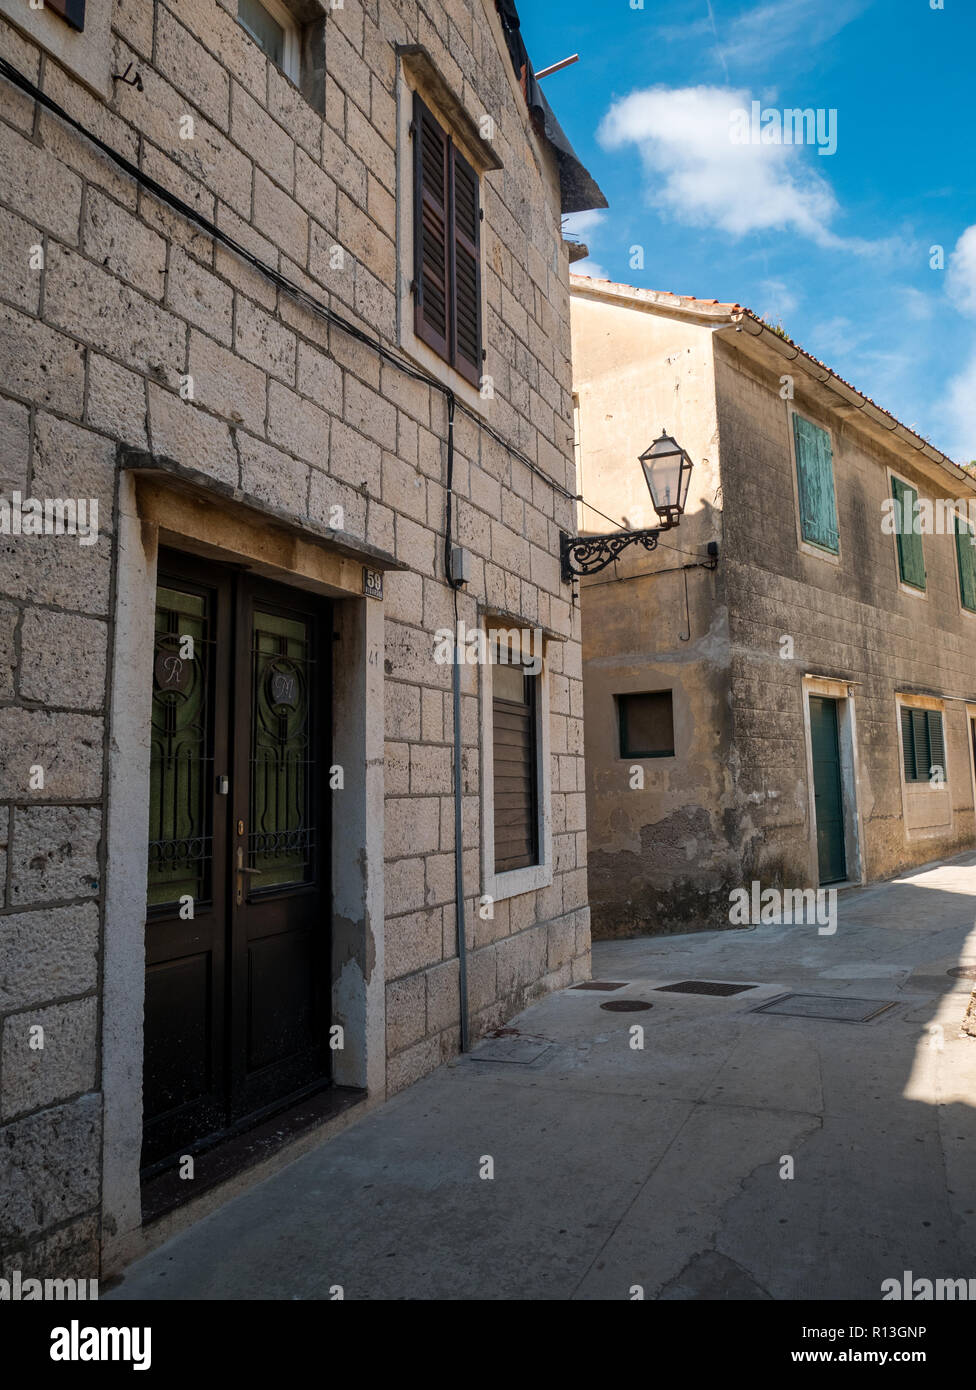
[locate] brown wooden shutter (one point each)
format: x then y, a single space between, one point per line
466 269
431 223
514 772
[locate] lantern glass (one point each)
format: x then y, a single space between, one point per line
667 471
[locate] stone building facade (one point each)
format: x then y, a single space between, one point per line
210 329
817 687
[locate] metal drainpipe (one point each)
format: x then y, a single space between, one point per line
458 779
458 852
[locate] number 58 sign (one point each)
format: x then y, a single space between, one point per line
372 583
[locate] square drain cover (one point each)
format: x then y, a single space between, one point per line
837 1007
703 987
524 1051
600 984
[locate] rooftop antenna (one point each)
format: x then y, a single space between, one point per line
544 72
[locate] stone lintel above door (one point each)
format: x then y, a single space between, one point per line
217 520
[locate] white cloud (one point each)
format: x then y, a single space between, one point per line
591 268
959 405
918 306
769 30
961 275
960 413
582 224
585 227
695 170
777 300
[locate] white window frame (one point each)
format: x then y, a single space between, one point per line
291 58
515 881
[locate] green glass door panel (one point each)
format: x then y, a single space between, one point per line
827 791
281 836
180 781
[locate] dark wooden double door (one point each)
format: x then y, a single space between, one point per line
237 930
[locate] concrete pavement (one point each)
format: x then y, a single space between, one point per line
665 1166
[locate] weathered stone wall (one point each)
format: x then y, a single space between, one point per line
659 856
850 620
131 298
734 804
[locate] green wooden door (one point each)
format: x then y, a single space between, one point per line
827 795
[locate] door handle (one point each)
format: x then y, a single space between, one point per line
241 871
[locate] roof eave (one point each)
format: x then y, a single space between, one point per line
746 321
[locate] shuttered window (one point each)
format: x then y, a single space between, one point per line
911 559
923 743
515 763
447 247
966 559
815 485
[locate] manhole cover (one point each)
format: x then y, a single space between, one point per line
600 984
963 972
626 1006
522 1051
703 987
835 1007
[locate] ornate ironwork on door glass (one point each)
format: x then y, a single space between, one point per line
181 755
281 836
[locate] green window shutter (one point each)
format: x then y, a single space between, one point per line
908 743
966 559
911 559
815 484
936 741
923 743
920 734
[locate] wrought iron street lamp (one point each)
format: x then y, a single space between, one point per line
667 472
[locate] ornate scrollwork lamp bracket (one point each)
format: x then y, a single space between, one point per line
590 554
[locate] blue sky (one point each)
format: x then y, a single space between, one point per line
834 247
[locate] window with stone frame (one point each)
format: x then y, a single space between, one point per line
923 744
514 700
292 36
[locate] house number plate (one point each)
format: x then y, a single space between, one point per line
372 583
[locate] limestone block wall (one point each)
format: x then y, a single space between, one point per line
98 336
